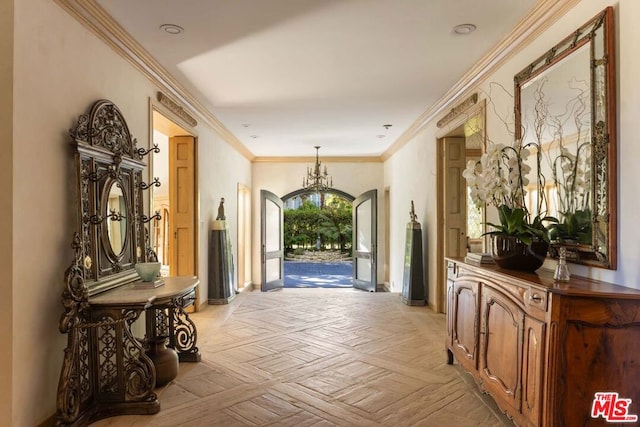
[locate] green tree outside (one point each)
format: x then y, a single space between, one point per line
308 223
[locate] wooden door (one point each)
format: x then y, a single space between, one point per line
451 221
182 205
501 342
272 241
455 198
364 241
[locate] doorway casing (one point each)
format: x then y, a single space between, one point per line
442 184
367 255
169 124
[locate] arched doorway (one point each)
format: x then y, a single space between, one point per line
318 239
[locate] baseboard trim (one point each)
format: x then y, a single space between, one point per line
383 287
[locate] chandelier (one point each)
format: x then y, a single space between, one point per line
317 180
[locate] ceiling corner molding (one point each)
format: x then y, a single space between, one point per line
91 15
306 159
544 14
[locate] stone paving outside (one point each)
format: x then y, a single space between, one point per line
304 274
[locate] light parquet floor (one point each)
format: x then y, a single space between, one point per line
319 357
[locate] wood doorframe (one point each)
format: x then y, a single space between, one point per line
439 304
387 238
170 124
244 238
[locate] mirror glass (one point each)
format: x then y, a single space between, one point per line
565 116
556 119
116 208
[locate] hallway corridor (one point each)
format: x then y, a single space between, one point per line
319 357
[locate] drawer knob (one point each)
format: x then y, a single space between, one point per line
535 298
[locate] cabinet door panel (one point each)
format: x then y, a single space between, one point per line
450 302
465 323
532 360
501 347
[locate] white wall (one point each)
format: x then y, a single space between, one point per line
161 164
282 178
220 170
418 155
6 208
61 68
411 175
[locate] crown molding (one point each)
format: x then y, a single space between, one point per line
541 17
91 15
95 18
341 159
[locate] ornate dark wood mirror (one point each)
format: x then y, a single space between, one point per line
565 109
110 204
107 369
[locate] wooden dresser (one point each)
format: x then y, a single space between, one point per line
543 349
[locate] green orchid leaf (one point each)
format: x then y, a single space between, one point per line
515 220
504 212
525 239
501 228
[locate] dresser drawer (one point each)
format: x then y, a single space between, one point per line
189 299
536 299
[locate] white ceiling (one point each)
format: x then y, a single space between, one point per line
286 75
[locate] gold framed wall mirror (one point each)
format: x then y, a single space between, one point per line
565 113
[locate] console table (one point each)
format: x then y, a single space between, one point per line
543 349
106 371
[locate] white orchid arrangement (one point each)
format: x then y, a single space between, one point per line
572 176
499 178
569 159
571 173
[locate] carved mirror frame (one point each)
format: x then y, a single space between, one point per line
597 36
106 155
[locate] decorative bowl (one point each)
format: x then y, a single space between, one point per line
147 271
511 253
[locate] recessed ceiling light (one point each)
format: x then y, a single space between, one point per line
380 136
172 29
254 136
246 125
464 29
386 126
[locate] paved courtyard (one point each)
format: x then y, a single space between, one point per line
303 274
